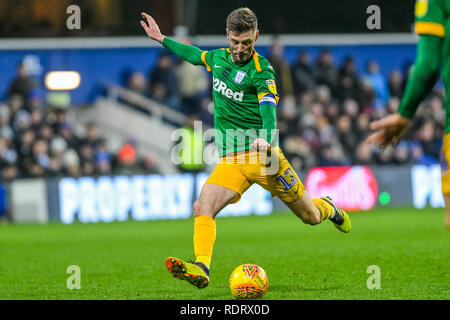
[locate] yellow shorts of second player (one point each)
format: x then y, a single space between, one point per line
445 160
239 171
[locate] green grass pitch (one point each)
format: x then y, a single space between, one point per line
125 260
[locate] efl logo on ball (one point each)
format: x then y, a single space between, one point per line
248 281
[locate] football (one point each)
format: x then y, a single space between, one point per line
248 281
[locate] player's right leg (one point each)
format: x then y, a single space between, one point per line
224 186
286 185
314 211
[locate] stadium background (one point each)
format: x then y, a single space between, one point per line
331 86
101 152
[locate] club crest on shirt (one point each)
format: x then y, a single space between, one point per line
240 75
271 85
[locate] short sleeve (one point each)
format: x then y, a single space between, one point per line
430 17
206 57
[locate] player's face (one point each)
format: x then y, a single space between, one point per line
241 44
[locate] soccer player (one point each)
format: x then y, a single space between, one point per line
245 99
432 23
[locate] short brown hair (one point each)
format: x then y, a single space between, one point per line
242 20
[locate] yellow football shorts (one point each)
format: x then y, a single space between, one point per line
445 160
239 171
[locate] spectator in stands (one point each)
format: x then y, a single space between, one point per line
367 96
92 137
436 107
127 163
36 120
71 163
102 159
45 132
302 74
325 72
362 127
87 158
22 84
363 154
396 84
331 155
377 82
206 112
384 157
9 173
349 83
426 138
5 128
67 133
21 121
58 146
149 165
351 108
346 134
8 156
194 85
298 150
392 104
24 146
283 77
164 75
137 83
401 154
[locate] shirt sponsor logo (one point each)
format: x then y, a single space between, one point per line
239 77
221 87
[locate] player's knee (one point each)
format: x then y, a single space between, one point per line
202 209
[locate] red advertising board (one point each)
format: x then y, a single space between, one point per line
351 188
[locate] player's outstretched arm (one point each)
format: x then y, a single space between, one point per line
389 129
186 52
151 28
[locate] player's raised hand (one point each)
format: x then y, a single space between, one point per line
388 130
151 27
260 145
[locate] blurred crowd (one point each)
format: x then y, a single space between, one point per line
323 116
38 140
324 110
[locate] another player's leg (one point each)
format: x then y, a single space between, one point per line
212 199
445 177
447 212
